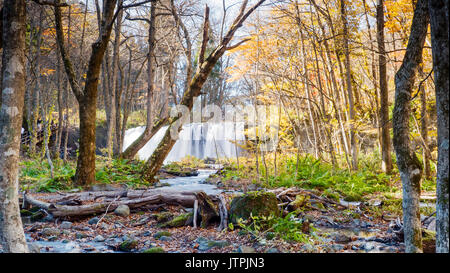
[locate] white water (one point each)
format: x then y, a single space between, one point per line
202 140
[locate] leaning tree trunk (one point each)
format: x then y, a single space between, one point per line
204 68
12 236
439 40
409 166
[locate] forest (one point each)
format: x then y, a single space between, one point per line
224 126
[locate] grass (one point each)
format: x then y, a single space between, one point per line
35 174
312 173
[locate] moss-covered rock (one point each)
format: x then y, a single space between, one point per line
159 234
163 217
179 221
256 203
128 245
154 250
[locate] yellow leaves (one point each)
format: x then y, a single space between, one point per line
47 72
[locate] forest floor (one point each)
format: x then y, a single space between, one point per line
368 225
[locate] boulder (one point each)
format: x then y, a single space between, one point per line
122 210
257 203
65 225
179 221
51 232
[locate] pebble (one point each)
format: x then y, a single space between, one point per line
99 238
93 221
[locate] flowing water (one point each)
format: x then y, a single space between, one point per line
202 140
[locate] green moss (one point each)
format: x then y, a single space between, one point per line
128 245
178 221
257 203
164 216
154 250
162 233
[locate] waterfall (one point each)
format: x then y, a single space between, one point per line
202 140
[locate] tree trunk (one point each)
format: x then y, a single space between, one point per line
150 130
386 165
12 100
439 39
407 162
87 99
349 88
204 68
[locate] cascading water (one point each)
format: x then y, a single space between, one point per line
202 140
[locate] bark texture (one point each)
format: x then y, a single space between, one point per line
408 164
12 236
439 40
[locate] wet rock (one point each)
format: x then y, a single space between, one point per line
93 221
52 238
99 238
337 247
256 203
51 232
246 249
66 225
122 210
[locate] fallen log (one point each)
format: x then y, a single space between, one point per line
132 200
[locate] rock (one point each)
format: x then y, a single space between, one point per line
52 238
51 232
163 217
146 233
368 246
162 233
165 238
272 250
122 210
337 247
93 221
342 238
34 248
246 249
80 235
179 221
256 203
99 238
66 225
218 244
154 250
128 245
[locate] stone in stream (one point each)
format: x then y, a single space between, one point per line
255 203
66 225
122 210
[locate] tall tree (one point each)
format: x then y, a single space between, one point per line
384 99
408 164
439 10
12 236
87 98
